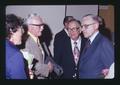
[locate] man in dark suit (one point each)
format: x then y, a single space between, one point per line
66 55
99 55
61 37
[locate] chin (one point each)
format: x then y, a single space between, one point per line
85 36
74 38
20 42
40 34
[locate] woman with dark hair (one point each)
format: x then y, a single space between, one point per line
15 68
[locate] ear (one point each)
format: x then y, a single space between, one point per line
96 25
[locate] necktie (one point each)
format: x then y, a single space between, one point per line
41 49
87 45
76 53
38 43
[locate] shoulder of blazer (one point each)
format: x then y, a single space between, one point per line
61 33
30 42
30 39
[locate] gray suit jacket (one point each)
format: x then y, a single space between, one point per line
41 69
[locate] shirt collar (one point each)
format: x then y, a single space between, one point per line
78 40
93 36
34 38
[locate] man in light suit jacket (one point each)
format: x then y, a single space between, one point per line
33 46
66 57
96 59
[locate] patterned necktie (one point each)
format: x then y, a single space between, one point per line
76 53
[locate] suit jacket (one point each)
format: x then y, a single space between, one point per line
63 55
41 69
14 62
98 56
59 40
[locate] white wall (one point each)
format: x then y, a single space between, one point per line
52 14
80 10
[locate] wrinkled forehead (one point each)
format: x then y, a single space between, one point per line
87 20
74 24
36 20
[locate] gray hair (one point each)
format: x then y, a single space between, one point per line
29 19
94 17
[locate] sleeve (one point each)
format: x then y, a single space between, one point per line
41 69
17 67
107 54
57 50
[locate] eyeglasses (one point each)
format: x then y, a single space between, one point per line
37 25
87 25
73 29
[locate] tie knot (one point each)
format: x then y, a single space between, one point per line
75 43
88 40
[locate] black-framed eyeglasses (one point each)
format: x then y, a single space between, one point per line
87 25
73 29
39 25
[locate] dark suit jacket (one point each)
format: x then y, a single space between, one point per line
63 55
60 39
98 56
14 62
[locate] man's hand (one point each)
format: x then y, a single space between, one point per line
105 71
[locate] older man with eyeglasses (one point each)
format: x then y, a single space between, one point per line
35 27
71 50
97 58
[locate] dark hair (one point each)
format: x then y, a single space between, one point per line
72 20
12 24
67 18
